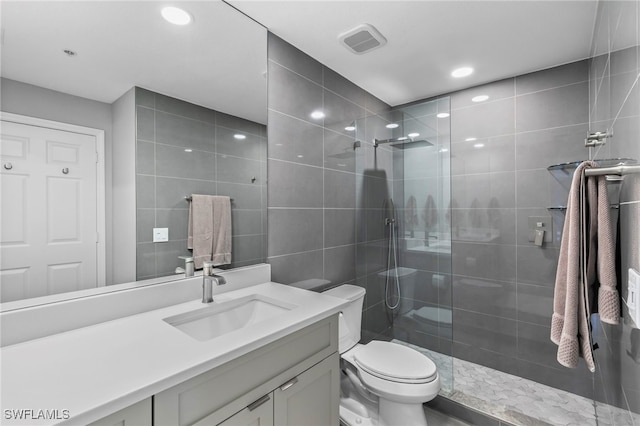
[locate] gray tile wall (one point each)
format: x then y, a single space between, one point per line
502 283
312 167
614 95
218 164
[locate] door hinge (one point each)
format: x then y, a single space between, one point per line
97 237
97 157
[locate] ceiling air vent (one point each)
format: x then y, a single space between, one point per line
362 39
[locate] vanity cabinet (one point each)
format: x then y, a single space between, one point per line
291 381
135 415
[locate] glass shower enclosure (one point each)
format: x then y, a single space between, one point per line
404 220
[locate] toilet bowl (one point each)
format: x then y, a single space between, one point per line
383 383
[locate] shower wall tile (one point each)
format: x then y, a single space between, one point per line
487 332
497 90
297 267
536 265
145 158
184 109
251 148
145 192
339 189
301 98
557 107
339 151
496 155
166 173
297 185
172 161
338 227
184 132
575 72
541 148
312 168
489 297
145 124
339 264
486 119
146 220
236 169
485 261
503 288
340 112
295 140
225 122
345 88
288 56
294 231
535 304
246 222
244 196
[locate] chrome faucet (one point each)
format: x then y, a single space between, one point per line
428 237
208 278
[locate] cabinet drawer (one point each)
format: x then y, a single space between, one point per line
240 382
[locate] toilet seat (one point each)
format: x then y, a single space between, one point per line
396 363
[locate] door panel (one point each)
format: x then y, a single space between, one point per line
49 211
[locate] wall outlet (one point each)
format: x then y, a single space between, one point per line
633 292
160 235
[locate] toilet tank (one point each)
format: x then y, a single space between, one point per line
351 316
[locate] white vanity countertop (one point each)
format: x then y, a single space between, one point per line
97 370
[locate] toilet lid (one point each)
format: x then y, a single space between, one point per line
394 362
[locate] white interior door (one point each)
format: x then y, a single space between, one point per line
49 211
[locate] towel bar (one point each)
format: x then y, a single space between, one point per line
616 170
188 198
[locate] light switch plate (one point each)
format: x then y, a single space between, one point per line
633 292
160 235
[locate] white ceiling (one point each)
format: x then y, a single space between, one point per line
428 39
219 61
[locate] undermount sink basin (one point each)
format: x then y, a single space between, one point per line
222 318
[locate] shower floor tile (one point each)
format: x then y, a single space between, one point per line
519 401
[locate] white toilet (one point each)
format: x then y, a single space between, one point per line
382 383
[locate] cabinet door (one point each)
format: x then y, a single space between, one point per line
311 398
135 415
260 413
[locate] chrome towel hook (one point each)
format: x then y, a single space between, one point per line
8 166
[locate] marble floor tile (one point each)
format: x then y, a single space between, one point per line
518 401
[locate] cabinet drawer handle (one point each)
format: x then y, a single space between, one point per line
289 384
258 403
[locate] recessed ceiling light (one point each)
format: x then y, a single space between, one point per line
239 136
444 150
188 150
479 98
350 128
443 115
175 15
462 72
470 139
300 156
478 145
317 115
392 126
413 135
